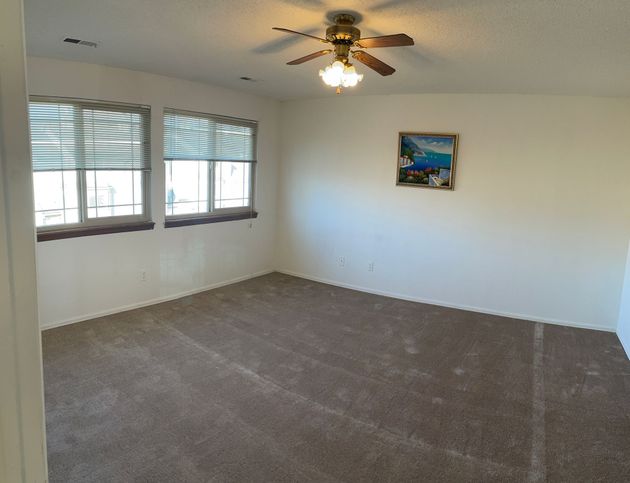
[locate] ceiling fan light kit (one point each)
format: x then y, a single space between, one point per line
344 36
340 75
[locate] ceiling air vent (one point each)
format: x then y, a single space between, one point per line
87 43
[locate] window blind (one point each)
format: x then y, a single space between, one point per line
85 135
206 137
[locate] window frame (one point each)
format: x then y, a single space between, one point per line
217 212
236 209
100 225
213 215
210 201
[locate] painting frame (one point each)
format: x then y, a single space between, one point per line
430 177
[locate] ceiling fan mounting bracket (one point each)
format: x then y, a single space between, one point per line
344 19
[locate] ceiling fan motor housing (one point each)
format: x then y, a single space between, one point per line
343 35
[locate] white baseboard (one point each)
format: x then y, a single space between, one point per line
154 301
470 308
167 298
625 346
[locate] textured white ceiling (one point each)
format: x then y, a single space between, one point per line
462 46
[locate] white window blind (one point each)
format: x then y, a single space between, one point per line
84 135
206 137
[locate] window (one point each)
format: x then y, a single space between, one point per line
91 164
209 163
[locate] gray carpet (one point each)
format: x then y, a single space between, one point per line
282 379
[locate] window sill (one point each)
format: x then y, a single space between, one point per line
202 220
93 230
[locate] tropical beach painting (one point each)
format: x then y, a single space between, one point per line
426 160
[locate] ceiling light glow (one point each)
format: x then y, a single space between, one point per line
339 74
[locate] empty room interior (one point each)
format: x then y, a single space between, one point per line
309 240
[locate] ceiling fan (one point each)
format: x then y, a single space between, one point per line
344 37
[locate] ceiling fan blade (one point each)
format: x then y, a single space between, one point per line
373 63
308 57
396 40
299 33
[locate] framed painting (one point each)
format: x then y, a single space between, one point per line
426 160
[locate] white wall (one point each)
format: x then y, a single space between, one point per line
22 436
82 277
623 324
536 228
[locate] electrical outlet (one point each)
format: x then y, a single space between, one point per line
370 266
341 261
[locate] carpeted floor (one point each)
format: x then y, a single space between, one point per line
282 379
